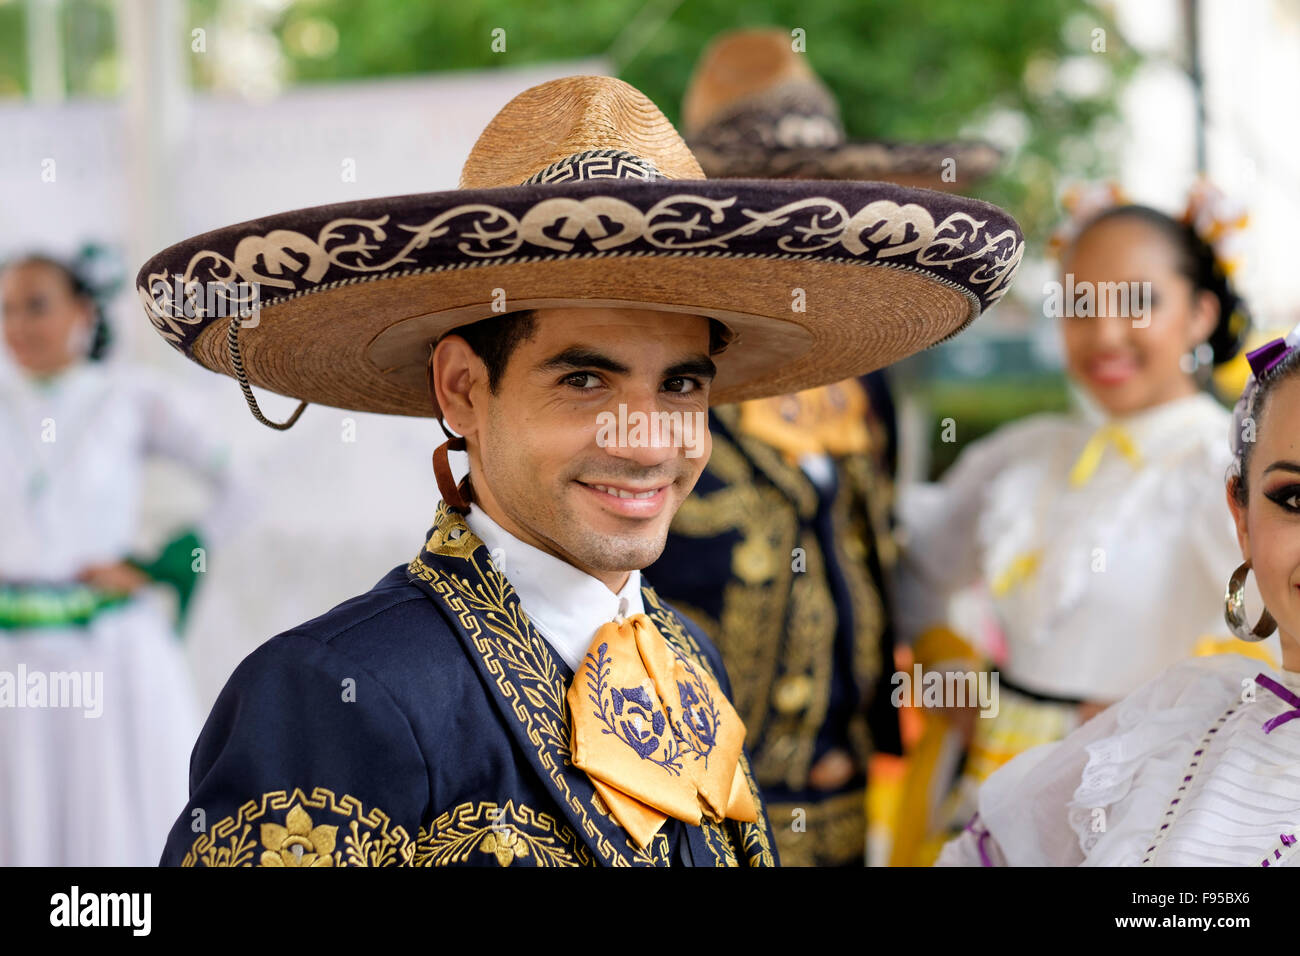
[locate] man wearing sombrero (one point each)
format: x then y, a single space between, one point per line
782 552
516 694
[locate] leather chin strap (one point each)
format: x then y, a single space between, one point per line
458 497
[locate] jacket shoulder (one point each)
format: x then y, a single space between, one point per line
388 629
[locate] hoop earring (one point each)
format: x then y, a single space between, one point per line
1234 609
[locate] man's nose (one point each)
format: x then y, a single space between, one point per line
646 434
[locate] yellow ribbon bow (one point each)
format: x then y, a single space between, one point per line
655 733
1090 457
1017 572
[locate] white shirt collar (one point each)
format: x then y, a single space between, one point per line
1156 422
566 605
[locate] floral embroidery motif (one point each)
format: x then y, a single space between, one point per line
298 843
698 731
510 833
303 839
630 714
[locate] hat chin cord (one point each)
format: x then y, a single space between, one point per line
232 342
458 497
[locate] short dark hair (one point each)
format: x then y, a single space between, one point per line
495 339
1265 387
1197 262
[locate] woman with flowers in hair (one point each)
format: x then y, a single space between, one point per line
1198 766
1098 534
97 709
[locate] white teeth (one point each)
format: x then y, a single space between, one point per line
622 493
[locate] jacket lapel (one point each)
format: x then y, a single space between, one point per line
526 681
754 841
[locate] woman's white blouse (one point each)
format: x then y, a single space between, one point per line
75 450
1179 773
1131 564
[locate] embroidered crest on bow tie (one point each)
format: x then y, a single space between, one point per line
655 733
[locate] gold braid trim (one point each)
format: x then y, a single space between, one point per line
512 652
525 674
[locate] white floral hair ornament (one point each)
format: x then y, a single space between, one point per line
1082 203
1262 361
1219 220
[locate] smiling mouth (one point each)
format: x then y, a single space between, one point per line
616 492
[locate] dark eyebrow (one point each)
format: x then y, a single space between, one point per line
577 357
1283 466
701 366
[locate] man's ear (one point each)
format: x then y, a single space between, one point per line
1238 519
458 375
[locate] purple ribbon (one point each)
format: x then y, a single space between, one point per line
1267 356
982 835
1269 684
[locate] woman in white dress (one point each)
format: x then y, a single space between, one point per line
1201 765
1076 524
97 710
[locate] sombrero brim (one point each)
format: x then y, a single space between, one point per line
818 281
906 164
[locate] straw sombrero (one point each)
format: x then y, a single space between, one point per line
754 108
580 192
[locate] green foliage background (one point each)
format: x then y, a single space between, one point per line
902 70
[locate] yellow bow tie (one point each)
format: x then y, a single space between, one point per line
1090 457
827 420
655 733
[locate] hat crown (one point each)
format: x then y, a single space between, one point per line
751 85
578 127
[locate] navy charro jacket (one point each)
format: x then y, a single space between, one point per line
422 723
808 642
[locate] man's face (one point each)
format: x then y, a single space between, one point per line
548 460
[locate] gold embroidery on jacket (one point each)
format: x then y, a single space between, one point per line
307 837
751 632
802 692
524 669
833 831
754 837
777 636
853 530
511 653
509 833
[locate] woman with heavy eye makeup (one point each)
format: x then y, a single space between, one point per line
1078 527
1200 766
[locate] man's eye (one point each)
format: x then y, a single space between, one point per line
584 380
681 385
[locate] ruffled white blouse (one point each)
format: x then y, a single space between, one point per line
1143 546
75 451
1199 767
